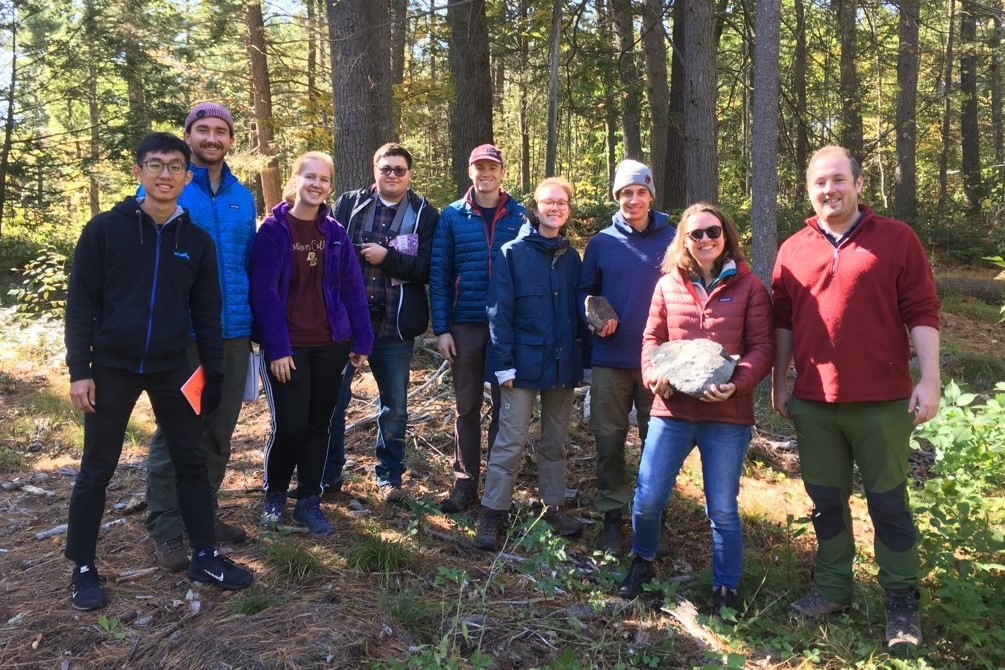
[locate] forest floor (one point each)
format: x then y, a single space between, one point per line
403 586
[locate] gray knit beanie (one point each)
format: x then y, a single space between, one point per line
631 172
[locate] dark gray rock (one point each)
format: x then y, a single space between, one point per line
692 366
599 311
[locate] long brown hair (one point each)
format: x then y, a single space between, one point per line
677 255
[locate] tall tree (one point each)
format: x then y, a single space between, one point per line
996 84
628 72
947 89
262 97
361 87
399 33
10 101
851 96
675 188
556 36
524 92
700 157
905 193
799 85
657 88
764 138
471 110
969 125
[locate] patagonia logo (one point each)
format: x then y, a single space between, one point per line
726 299
182 255
234 206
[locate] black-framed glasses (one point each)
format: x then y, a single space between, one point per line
398 170
174 167
713 232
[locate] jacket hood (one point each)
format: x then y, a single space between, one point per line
200 177
533 237
130 208
657 220
280 211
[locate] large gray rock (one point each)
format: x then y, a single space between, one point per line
692 366
599 311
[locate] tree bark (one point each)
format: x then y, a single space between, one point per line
471 111
699 102
675 188
947 89
94 150
905 191
610 104
621 11
799 86
969 126
764 139
259 64
399 31
8 125
361 87
851 97
524 109
998 137
556 36
658 89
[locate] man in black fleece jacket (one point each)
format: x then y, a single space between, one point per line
139 272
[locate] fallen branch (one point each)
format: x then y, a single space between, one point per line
133 574
61 529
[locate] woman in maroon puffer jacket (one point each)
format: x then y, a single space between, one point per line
707 291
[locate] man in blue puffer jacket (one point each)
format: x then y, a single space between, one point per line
219 204
468 237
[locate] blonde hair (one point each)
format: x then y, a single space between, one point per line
562 183
290 190
677 255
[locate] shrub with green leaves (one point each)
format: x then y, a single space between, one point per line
43 289
962 517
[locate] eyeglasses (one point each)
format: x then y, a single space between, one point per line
398 170
548 204
713 232
156 167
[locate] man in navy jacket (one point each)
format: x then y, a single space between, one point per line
469 235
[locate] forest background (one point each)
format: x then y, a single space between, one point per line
725 99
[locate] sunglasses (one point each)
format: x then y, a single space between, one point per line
398 170
713 232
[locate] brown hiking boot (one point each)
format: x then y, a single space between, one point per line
228 533
489 528
903 622
171 555
815 604
460 498
564 524
610 535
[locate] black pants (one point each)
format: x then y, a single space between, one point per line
116 392
301 414
471 341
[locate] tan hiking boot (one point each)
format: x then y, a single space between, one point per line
171 555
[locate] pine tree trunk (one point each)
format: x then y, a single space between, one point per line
271 187
621 11
658 89
675 188
556 36
947 89
699 102
996 103
969 126
851 96
905 192
399 32
8 125
471 111
799 86
524 111
764 139
361 87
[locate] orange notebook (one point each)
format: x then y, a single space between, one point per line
192 389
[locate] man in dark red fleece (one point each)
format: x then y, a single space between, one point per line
850 289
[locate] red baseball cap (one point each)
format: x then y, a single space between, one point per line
486 152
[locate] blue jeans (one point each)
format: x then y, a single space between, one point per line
390 364
723 447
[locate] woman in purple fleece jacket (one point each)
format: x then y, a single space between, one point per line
311 317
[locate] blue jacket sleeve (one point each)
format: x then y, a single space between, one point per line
501 305
441 273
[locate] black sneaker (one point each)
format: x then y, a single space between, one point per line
85 585
219 571
307 512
